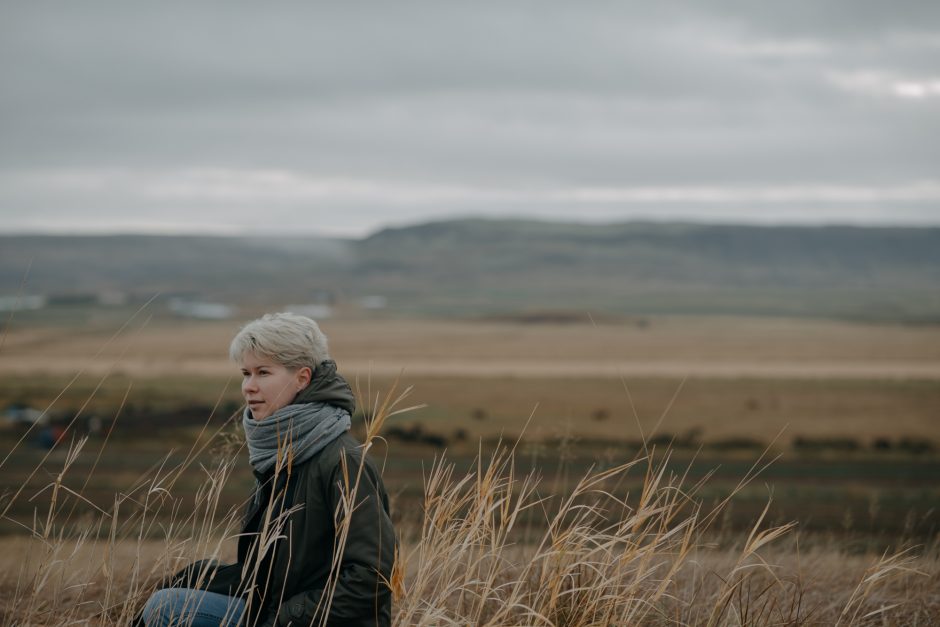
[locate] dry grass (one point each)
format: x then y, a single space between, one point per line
603 560
599 557
491 546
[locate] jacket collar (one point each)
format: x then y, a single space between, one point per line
327 386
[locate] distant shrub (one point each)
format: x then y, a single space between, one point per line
691 438
881 444
916 446
688 439
417 435
661 440
910 445
843 444
434 439
405 434
737 443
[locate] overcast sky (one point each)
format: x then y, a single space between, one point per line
342 118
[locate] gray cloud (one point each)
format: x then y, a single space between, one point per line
522 98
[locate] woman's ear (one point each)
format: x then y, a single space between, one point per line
304 376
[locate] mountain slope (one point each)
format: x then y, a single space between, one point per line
487 266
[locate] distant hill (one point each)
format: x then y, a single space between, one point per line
226 268
472 267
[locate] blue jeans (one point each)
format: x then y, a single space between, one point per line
177 607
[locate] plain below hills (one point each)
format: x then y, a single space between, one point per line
494 267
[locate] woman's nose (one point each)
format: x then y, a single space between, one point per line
248 384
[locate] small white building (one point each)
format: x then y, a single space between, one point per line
112 298
317 312
22 303
373 302
201 310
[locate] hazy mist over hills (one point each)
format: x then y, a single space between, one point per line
479 267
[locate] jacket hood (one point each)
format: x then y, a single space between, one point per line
328 386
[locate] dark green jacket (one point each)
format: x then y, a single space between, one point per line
287 589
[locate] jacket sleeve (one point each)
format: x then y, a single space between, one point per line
362 593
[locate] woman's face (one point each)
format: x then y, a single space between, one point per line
268 386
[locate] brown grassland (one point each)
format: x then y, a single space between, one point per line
739 377
624 501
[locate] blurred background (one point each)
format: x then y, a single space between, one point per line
713 226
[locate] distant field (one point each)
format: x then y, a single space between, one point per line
594 408
660 347
723 377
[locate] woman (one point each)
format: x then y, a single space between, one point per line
306 466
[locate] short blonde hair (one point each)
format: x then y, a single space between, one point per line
291 340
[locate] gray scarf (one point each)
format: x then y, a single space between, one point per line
303 430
